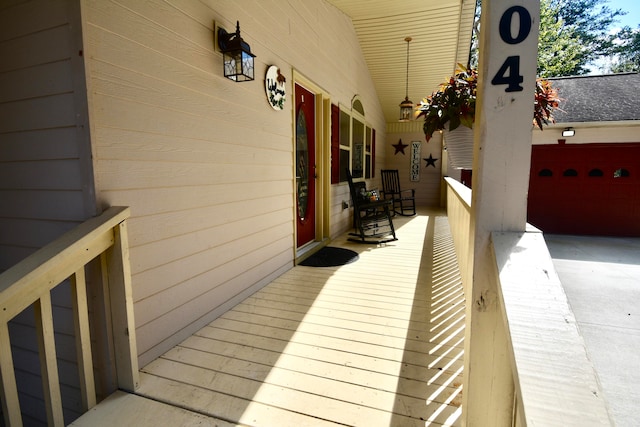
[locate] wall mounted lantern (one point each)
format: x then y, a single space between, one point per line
406 106
568 132
237 56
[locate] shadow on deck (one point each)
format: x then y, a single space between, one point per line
378 342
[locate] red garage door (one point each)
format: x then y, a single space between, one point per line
585 189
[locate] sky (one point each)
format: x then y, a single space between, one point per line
632 18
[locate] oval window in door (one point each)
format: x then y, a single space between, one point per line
302 165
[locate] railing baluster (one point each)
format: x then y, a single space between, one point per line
8 387
48 363
30 282
83 339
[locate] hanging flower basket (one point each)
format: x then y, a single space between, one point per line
454 103
459 145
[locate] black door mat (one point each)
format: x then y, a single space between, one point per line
330 256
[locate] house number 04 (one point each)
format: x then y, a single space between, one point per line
509 72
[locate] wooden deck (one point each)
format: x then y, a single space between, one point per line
378 342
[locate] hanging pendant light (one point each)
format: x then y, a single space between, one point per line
406 106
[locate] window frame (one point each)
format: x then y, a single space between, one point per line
350 150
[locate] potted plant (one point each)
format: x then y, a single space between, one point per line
455 103
545 102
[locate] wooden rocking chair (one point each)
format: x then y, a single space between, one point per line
371 218
404 201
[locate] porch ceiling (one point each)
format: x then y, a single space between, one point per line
441 32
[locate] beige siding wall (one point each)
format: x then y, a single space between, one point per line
341 218
587 133
428 188
44 162
45 170
205 163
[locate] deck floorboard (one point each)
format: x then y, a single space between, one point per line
378 342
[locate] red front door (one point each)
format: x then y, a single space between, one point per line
305 146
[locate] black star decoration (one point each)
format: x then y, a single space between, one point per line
399 147
430 161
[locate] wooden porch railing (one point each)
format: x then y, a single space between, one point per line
459 214
30 283
554 382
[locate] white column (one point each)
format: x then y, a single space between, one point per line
502 156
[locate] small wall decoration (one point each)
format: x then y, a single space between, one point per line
415 160
431 161
399 147
275 87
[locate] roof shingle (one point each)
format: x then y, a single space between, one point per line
595 98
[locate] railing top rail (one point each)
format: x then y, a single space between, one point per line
22 284
553 374
461 190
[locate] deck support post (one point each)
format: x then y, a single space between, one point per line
502 156
121 305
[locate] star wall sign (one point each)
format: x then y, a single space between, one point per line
399 147
430 161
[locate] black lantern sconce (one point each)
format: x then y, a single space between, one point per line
237 56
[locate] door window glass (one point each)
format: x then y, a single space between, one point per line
302 165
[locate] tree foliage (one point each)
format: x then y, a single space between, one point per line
575 34
628 51
559 50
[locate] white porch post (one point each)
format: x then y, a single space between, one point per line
502 156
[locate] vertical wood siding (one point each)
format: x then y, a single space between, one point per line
205 164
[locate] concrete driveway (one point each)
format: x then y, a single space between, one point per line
601 277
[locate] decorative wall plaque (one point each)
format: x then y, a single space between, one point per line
415 160
275 87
